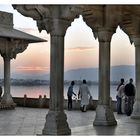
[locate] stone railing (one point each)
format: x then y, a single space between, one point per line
43 102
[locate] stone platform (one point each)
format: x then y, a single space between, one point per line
30 121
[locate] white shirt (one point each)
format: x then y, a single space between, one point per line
84 93
121 91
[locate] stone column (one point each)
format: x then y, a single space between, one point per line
104 113
7 98
56 120
136 108
8 50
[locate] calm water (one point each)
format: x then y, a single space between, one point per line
35 91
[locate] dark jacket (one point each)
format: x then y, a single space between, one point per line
70 91
129 90
0 91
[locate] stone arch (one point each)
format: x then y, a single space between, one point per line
81 52
79 37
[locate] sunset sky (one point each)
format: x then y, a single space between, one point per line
81 49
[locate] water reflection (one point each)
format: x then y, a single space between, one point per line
35 91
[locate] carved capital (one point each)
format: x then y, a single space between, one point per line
10 48
54 26
55 19
105 34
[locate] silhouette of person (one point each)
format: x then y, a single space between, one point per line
69 94
0 92
130 96
120 94
84 93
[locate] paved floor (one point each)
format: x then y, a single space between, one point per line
29 121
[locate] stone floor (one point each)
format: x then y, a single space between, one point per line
30 121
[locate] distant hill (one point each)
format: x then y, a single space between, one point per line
122 71
117 72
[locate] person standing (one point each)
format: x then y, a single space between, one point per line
120 94
0 92
129 91
69 94
84 93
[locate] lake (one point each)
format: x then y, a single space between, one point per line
35 91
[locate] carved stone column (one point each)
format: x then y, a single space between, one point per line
7 98
136 108
55 19
8 50
56 120
104 113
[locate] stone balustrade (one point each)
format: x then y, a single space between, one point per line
43 102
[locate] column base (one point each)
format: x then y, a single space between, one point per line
7 101
136 110
104 116
56 124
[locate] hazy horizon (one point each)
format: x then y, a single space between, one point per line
81 48
116 73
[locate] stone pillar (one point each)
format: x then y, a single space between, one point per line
136 108
56 120
55 19
104 114
7 98
8 50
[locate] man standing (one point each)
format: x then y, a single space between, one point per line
84 93
69 94
130 96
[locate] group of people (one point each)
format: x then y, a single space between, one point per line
125 97
83 93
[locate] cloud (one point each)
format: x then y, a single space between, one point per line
32 68
80 48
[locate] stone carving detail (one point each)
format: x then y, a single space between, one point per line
28 11
49 17
54 26
105 34
96 16
9 49
6 19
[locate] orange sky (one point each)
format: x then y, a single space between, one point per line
81 50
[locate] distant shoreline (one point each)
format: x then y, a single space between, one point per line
37 82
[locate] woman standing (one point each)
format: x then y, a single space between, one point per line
120 94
